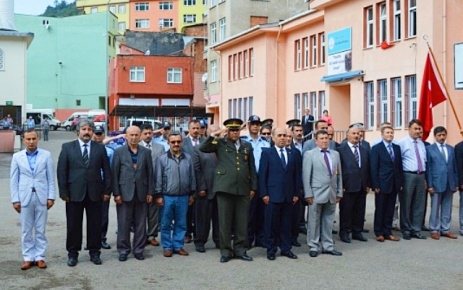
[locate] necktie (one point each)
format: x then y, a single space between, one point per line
148 146
418 157
356 154
282 157
195 142
443 152
327 161
391 153
237 145
85 155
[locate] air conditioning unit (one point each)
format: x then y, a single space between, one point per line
189 18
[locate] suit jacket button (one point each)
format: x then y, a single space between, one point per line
238 169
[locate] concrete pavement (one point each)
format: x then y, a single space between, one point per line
415 264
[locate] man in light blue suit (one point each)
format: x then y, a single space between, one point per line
32 187
442 181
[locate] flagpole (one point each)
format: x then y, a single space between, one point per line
443 83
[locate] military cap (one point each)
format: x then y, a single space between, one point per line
267 122
98 129
293 122
233 124
357 125
254 119
166 125
202 124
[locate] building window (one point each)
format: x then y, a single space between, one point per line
297 57
2 60
235 104
397 26
189 2
411 18
313 103
305 56
112 9
382 101
369 27
94 10
142 6
246 64
142 23
121 9
166 6
78 102
382 22
251 106
411 104
230 109
240 108
109 40
213 33
369 119
251 65
245 108
189 18
313 55
396 101
321 102
166 22
213 71
213 3
240 65
322 48
222 24
174 75
297 106
230 67
235 67
121 26
305 101
137 74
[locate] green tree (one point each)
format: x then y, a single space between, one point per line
62 9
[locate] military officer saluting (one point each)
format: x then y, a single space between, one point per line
235 184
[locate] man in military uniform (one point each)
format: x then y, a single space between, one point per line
235 184
162 139
256 210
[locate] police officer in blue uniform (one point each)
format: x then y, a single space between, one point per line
162 139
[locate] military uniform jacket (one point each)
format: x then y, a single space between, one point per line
235 172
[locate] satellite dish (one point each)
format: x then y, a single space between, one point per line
148 52
204 78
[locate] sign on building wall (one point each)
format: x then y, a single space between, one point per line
458 65
340 51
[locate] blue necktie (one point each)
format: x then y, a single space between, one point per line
391 153
282 157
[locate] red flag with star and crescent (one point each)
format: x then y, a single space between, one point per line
432 93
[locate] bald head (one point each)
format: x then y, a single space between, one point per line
132 135
279 137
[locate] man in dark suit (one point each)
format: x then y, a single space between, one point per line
191 141
235 184
355 161
386 181
84 181
442 182
133 189
307 123
206 199
153 209
459 160
280 188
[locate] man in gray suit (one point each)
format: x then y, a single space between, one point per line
310 144
322 179
205 199
153 208
133 188
32 187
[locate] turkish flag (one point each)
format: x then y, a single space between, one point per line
432 93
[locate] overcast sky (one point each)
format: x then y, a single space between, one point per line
32 7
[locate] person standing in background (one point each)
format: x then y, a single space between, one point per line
45 128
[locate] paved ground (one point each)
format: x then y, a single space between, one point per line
414 264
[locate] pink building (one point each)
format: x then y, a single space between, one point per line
362 61
154 15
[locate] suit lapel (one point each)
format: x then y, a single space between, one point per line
26 162
277 157
77 149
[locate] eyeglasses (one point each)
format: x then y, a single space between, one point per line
265 133
175 142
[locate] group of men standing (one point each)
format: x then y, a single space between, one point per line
251 189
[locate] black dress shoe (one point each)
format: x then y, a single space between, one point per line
224 259
72 262
359 237
418 236
289 255
217 246
345 239
122 257
332 252
334 232
295 244
271 257
200 249
313 254
406 236
105 246
244 257
139 257
96 260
